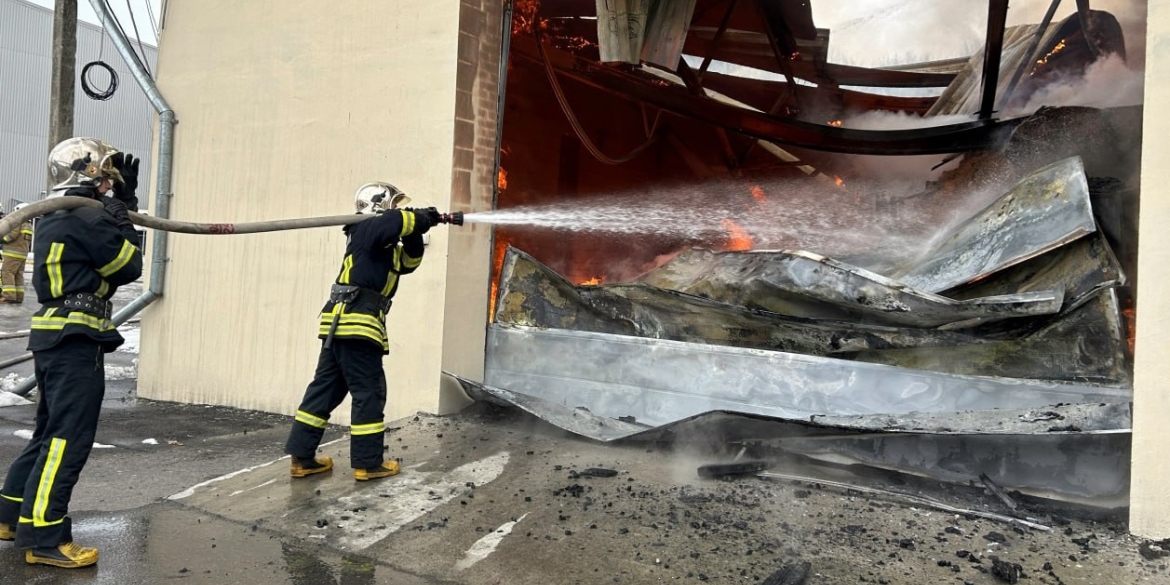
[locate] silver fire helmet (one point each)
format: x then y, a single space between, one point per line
374 198
81 161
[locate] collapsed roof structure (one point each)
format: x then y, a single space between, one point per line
996 343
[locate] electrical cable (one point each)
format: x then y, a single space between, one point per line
568 111
89 90
86 84
117 23
153 20
138 37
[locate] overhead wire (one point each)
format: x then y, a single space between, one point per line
153 20
138 37
140 59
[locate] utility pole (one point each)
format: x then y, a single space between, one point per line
62 84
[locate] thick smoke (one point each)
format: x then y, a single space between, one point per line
878 33
1110 82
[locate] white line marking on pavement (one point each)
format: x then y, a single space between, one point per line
191 490
486 545
402 499
238 492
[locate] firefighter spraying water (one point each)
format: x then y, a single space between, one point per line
86 247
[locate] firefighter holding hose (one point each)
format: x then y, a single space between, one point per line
353 329
82 255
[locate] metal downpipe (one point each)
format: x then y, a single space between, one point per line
162 197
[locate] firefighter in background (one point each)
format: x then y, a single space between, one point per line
353 327
17 243
81 256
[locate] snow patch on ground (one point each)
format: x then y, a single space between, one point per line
24 434
150 441
97 445
131 335
10 399
122 372
8 382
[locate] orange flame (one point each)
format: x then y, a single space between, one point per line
525 16
1058 48
502 179
758 194
596 280
1129 315
839 181
738 240
835 123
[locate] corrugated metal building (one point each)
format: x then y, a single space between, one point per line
26 40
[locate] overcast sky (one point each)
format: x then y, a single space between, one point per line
86 13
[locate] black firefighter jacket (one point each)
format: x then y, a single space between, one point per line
79 250
378 250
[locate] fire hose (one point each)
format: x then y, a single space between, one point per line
54 204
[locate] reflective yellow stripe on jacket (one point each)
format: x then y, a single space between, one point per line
120 261
53 267
50 322
354 325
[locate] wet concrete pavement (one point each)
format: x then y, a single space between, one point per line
198 494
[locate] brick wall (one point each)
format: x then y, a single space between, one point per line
476 102
473 184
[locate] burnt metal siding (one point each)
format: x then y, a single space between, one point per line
126 120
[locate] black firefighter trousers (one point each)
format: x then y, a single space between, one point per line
39 484
349 366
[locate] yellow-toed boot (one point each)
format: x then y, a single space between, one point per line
386 469
7 532
306 467
67 556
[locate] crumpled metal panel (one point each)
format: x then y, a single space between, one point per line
1089 418
1069 452
661 381
808 285
532 295
1081 269
1088 469
575 420
1086 418
1047 209
1084 346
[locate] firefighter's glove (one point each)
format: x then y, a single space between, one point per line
433 216
126 189
117 209
422 221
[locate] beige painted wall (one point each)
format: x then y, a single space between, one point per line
1150 485
285 108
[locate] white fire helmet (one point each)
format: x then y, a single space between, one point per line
81 161
374 198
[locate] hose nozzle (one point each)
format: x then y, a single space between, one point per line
453 218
